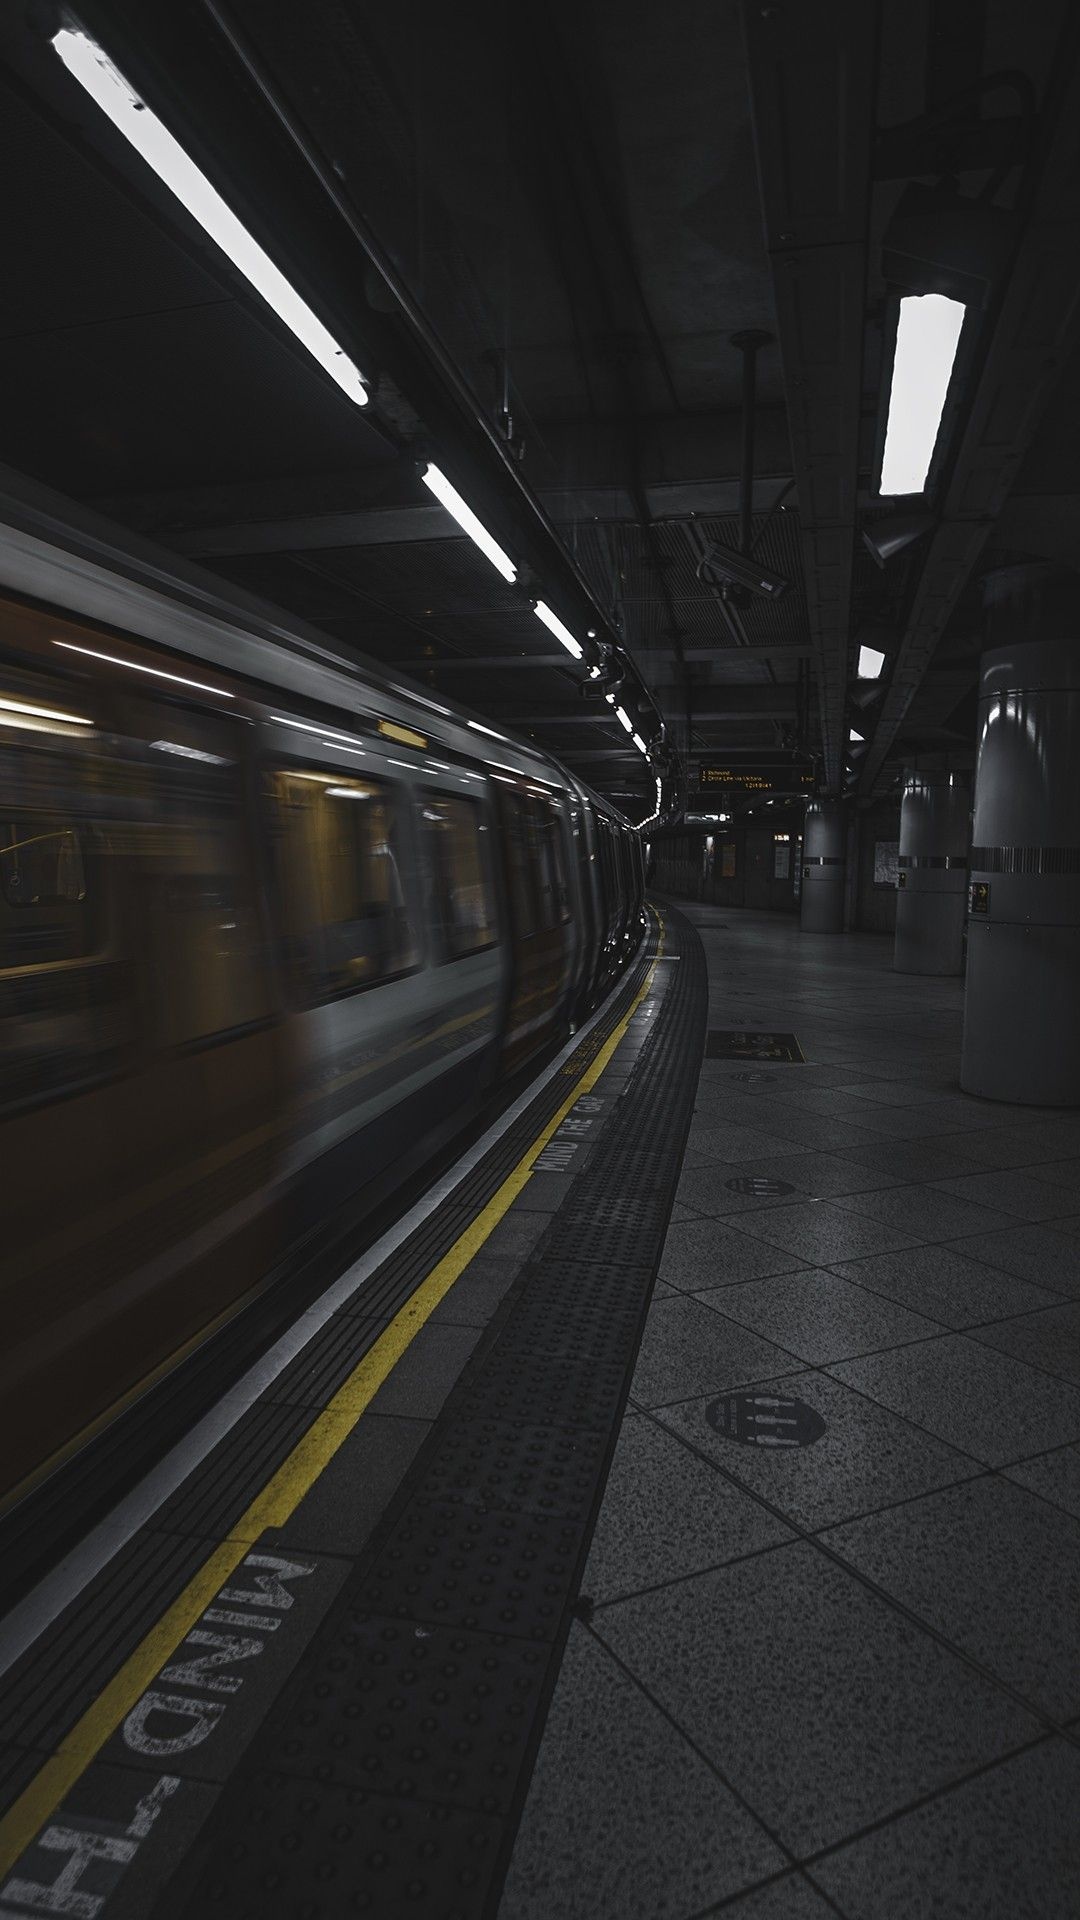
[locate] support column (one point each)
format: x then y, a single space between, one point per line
931 897
823 868
1022 999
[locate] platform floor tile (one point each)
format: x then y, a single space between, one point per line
1003 1846
624 1817
827 1708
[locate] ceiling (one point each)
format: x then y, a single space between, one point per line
536 230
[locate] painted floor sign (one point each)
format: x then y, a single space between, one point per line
765 1420
730 1043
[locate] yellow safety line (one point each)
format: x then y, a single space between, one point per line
284 1490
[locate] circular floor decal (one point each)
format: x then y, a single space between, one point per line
757 1183
765 1420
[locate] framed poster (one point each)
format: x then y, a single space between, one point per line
885 858
727 860
781 862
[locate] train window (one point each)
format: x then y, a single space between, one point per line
204 967
463 907
550 865
520 861
46 915
343 861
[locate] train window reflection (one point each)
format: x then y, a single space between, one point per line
462 903
205 973
342 862
36 867
550 868
43 887
519 858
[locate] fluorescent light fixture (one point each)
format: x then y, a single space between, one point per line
859 738
871 661
610 698
344 747
926 340
459 510
326 739
349 793
20 708
94 71
639 744
624 720
135 666
190 753
477 727
562 634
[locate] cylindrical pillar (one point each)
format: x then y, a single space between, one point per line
1022 998
931 886
823 868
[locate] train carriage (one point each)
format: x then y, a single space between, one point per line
273 927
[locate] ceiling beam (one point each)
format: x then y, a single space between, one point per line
644 659
812 79
382 506
711 703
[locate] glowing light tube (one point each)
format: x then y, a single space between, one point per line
459 510
926 342
562 634
94 71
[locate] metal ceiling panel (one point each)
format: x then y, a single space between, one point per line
1037 327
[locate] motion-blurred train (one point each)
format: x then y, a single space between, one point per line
271 926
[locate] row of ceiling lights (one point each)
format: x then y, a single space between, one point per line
87 62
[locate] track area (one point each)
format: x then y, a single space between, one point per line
310 1684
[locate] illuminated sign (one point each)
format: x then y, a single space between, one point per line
742 780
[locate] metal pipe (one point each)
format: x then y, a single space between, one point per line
748 342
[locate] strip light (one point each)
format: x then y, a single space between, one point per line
190 753
624 720
39 713
871 661
562 634
459 510
926 340
91 67
135 666
639 744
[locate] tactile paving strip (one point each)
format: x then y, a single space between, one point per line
478 1563
393 1707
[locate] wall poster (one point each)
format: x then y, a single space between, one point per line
885 858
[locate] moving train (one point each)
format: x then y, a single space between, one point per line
273 928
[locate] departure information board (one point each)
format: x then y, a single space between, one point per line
765 777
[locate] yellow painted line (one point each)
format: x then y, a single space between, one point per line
283 1492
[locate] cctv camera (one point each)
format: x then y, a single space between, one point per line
738 570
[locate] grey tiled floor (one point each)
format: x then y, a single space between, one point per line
844 1678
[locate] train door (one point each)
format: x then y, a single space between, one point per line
141 1137
541 929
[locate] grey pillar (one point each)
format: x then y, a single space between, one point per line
823 867
1022 999
931 896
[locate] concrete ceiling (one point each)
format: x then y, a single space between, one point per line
571 208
